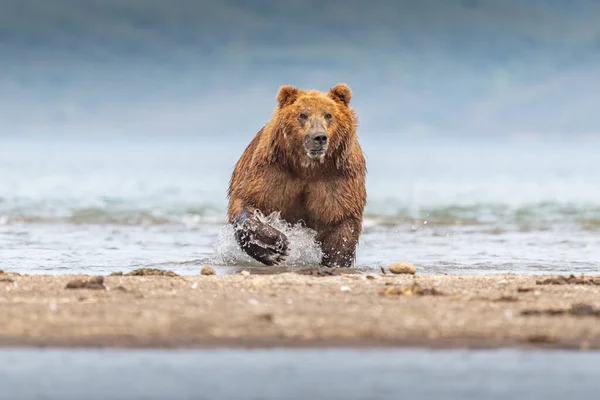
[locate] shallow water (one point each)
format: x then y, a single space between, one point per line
102 206
297 374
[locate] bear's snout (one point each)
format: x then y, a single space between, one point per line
319 138
315 144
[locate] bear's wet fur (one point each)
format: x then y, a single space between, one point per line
307 164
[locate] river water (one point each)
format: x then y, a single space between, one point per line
297 374
98 206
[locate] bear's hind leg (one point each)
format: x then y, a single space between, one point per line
259 240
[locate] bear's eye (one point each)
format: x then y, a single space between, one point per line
328 116
303 116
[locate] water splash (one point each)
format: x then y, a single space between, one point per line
304 250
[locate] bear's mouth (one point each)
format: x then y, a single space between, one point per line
316 153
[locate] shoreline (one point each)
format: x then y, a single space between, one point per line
294 310
458 343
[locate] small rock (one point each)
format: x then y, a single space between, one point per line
542 339
402 267
195 285
96 282
345 288
207 270
245 273
506 299
151 272
525 289
268 317
253 301
118 273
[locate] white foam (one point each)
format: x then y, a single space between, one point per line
304 250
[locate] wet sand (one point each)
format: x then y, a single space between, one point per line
297 310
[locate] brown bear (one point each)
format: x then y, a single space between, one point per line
307 164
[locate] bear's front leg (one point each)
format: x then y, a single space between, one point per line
259 240
339 242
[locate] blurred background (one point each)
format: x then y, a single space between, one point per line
121 121
483 68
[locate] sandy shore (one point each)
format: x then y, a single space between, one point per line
293 309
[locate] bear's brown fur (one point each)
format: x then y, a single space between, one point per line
307 164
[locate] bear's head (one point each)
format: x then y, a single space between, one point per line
311 125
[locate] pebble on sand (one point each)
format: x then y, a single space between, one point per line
402 267
207 270
96 282
151 272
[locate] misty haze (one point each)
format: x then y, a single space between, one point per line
486 68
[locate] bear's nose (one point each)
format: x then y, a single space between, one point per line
319 139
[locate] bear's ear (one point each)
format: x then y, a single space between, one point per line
341 92
286 95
